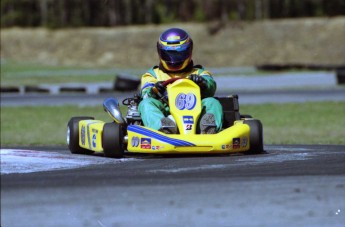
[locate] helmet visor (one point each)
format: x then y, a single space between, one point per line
174 54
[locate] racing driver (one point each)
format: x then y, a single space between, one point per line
175 48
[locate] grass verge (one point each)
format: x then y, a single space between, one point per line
21 73
301 123
29 73
307 123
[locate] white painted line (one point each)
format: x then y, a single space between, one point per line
188 169
277 158
28 161
246 160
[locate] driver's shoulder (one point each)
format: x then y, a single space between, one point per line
200 70
154 71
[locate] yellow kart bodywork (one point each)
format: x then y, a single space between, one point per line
90 132
185 106
145 140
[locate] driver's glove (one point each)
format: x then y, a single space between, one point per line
199 80
158 87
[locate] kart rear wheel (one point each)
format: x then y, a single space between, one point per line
112 140
73 135
246 116
255 136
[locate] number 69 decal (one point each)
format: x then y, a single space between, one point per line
185 101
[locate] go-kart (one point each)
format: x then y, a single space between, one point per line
124 135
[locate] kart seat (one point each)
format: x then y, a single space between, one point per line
230 109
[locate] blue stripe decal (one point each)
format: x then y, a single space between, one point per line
146 85
154 135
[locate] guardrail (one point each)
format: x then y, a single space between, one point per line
339 69
233 82
121 83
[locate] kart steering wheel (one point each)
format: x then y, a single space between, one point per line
165 83
170 81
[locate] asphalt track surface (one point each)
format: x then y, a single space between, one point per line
286 186
299 185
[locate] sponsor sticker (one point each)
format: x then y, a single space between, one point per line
236 143
157 147
244 142
135 141
188 120
94 138
145 143
226 146
189 127
82 135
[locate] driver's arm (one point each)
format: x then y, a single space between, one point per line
211 84
147 82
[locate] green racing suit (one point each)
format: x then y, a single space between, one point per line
153 110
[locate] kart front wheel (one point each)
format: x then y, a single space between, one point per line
256 136
73 135
112 140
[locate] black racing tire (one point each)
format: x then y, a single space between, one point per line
112 140
255 136
73 135
246 116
